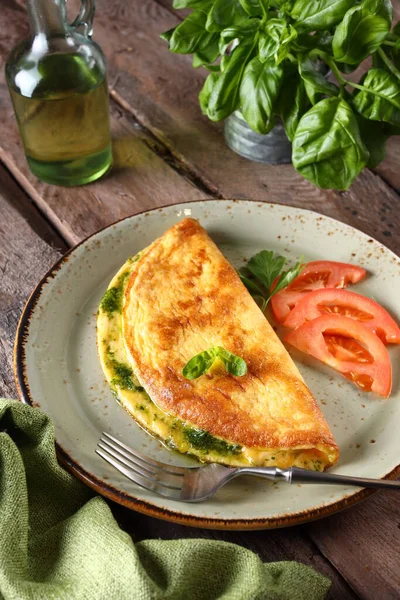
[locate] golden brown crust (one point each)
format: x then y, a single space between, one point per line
184 297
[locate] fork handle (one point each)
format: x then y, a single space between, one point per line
305 476
296 475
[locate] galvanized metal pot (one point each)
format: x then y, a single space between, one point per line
272 148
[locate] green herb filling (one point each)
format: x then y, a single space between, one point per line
112 299
123 374
205 442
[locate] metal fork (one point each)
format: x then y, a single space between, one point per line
195 484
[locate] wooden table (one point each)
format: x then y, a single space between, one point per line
166 152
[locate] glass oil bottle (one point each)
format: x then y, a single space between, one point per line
57 82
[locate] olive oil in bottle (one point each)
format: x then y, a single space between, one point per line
58 87
64 124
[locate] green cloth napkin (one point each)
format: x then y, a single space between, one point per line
59 541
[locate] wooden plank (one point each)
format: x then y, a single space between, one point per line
389 170
363 544
140 179
276 545
28 247
371 206
181 13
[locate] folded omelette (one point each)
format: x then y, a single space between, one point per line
177 298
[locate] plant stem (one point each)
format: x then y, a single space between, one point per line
264 12
387 62
332 65
291 57
362 88
386 43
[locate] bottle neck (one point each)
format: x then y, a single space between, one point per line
47 17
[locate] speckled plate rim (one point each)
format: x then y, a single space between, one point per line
125 499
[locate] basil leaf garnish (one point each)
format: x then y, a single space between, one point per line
202 362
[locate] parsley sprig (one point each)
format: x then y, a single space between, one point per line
262 270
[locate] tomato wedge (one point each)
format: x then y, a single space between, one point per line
349 347
315 275
346 304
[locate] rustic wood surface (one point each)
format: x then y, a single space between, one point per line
165 151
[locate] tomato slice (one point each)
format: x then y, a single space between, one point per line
346 304
349 347
315 275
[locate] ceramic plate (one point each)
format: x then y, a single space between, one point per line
57 366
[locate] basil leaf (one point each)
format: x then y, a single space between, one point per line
283 5
375 135
324 41
266 266
205 93
192 4
225 13
270 38
319 14
382 107
314 82
346 68
224 62
254 8
288 36
275 39
258 92
305 42
190 34
395 54
199 364
248 29
166 36
362 31
293 103
396 29
224 97
233 364
208 54
327 148
202 362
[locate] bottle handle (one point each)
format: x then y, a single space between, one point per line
84 21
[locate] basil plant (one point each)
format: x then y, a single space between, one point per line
265 59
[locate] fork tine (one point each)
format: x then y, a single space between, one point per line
142 482
145 467
165 481
148 462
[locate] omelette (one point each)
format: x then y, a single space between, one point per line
175 299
